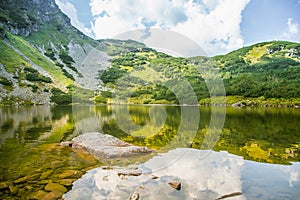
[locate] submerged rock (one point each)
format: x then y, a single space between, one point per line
46 174
13 189
55 187
27 178
175 185
107 146
70 174
66 182
38 195
4 185
190 177
134 196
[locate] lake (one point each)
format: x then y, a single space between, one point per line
255 150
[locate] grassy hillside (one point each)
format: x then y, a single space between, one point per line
265 73
44 59
271 70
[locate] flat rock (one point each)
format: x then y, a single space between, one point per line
66 182
4 185
70 174
107 146
55 187
53 195
27 178
46 174
38 195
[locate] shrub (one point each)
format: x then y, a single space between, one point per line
66 58
106 94
38 78
5 81
34 88
56 91
100 99
63 99
28 69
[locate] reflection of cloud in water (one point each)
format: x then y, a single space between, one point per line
218 174
294 177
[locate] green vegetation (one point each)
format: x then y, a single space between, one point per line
269 71
10 59
262 74
100 100
273 72
80 95
152 77
117 47
250 101
35 56
34 87
37 77
5 81
59 97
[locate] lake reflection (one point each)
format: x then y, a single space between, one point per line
30 137
260 134
212 177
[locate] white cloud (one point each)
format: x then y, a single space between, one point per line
70 10
293 27
292 30
213 24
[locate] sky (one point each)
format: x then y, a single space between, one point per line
217 26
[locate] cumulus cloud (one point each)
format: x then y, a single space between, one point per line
213 24
293 27
70 10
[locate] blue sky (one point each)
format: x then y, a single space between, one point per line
218 26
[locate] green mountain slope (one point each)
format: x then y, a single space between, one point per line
268 69
44 59
265 73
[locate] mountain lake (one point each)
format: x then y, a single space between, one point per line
252 153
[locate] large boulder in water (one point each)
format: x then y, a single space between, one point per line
107 146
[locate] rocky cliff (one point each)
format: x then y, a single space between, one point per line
24 17
43 57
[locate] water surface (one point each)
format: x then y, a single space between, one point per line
30 155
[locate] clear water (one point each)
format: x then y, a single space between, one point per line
30 155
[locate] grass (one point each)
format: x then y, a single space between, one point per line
256 53
247 101
35 56
50 34
10 59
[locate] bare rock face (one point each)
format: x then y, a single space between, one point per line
107 146
28 16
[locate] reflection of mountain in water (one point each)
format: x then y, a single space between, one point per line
203 174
